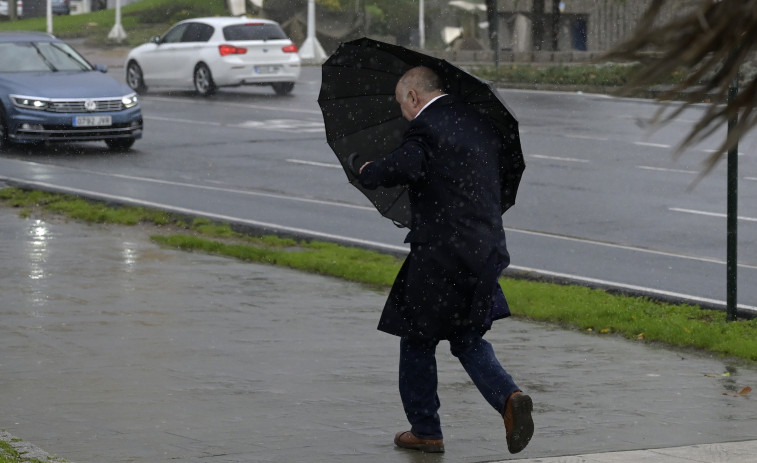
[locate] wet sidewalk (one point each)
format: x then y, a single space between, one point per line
117 350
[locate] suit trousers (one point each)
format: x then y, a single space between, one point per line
418 378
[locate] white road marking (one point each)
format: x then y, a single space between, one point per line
740 153
184 121
584 137
710 214
624 247
277 125
220 217
665 169
230 190
654 145
635 288
283 125
204 102
556 158
314 163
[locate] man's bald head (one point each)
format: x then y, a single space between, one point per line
415 88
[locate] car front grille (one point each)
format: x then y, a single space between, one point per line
68 133
80 106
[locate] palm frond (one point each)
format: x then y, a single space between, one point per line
708 40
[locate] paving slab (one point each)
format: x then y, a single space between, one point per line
116 349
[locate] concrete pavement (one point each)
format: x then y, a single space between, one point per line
115 349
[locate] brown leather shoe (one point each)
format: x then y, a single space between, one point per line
519 426
407 440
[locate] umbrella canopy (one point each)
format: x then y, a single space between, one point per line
363 120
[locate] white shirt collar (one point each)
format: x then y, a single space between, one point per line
427 104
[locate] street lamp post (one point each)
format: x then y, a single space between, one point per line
311 50
732 215
49 16
421 25
117 33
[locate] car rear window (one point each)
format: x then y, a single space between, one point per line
254 31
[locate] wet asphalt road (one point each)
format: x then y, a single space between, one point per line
115 349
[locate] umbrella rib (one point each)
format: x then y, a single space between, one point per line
362 129
394 202
354 96
351 67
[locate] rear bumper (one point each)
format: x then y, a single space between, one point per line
36 126
232 73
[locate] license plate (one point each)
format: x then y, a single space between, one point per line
266 69
92 121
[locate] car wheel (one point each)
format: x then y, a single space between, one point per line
120 144
283 88
134 77
204 80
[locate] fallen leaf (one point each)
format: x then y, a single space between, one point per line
641 336
605 330
742 393
726 374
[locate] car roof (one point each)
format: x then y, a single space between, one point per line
26 36
221 21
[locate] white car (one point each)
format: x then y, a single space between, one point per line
19 8
208 53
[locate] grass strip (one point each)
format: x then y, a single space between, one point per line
141 20
9 454
590 310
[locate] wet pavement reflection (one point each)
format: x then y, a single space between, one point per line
115 349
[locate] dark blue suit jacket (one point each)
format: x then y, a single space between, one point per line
449 161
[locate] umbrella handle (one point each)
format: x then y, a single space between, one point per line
351 164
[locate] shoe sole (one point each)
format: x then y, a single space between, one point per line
522 422
426 448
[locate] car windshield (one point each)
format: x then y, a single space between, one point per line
253 31
40 57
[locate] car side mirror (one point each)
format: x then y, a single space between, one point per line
101 67
155 39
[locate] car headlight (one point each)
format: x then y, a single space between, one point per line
29 102
129 101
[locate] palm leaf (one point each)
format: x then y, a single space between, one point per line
708 40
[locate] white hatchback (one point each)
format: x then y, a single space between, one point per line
208 53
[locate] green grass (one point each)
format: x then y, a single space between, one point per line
8 454
576 307
590 75
141 20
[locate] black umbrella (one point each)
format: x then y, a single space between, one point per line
364 123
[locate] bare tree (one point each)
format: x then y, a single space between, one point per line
709 40
492 17
554 25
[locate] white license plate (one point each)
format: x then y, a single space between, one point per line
92 121
266 69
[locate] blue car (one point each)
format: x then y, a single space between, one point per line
50 93
61 7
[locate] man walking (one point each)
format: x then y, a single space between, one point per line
447 287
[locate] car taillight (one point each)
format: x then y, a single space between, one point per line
290 49
231 50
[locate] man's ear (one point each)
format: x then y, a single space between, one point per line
413 96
